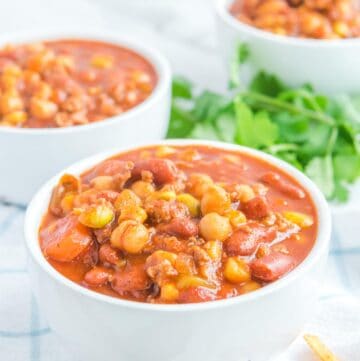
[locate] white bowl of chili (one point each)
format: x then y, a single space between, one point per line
328 64
235 328
28 156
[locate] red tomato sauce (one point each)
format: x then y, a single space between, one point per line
70 82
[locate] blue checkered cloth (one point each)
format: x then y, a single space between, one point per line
25 336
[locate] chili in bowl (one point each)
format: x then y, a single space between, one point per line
65 96
187 241
301 42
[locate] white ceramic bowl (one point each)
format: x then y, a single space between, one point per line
28 157
252 327
331 66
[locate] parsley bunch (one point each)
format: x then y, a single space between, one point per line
317 134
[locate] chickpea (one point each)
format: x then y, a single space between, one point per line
97 216
126 199
74 103
42 109
198 184
236 270
103 182
314 25
136 213
142 189
15 118
215 199
10 103
108 105
31 78
169 292
130 236
300 219
39 61
245 193
44 91
131 97
271 7
214 227
191 202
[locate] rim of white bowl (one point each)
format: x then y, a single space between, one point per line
158 61
39 204
222 9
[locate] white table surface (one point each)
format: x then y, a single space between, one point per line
184 31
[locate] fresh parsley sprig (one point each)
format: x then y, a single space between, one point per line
317 134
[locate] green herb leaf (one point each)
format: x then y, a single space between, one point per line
267 84
254 130
181 88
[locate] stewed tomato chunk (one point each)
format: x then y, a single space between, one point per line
178 224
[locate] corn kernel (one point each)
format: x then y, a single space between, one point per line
300 219
169 292
236 218
214 249
125 199
249 287
142 189
191 202
341 29
236 270
187 281
164 195
102 61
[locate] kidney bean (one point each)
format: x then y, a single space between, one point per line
163 170
275 180
109 167
244 241
132 278
272 266
256 208
98 276
196 294
183 227
107 254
